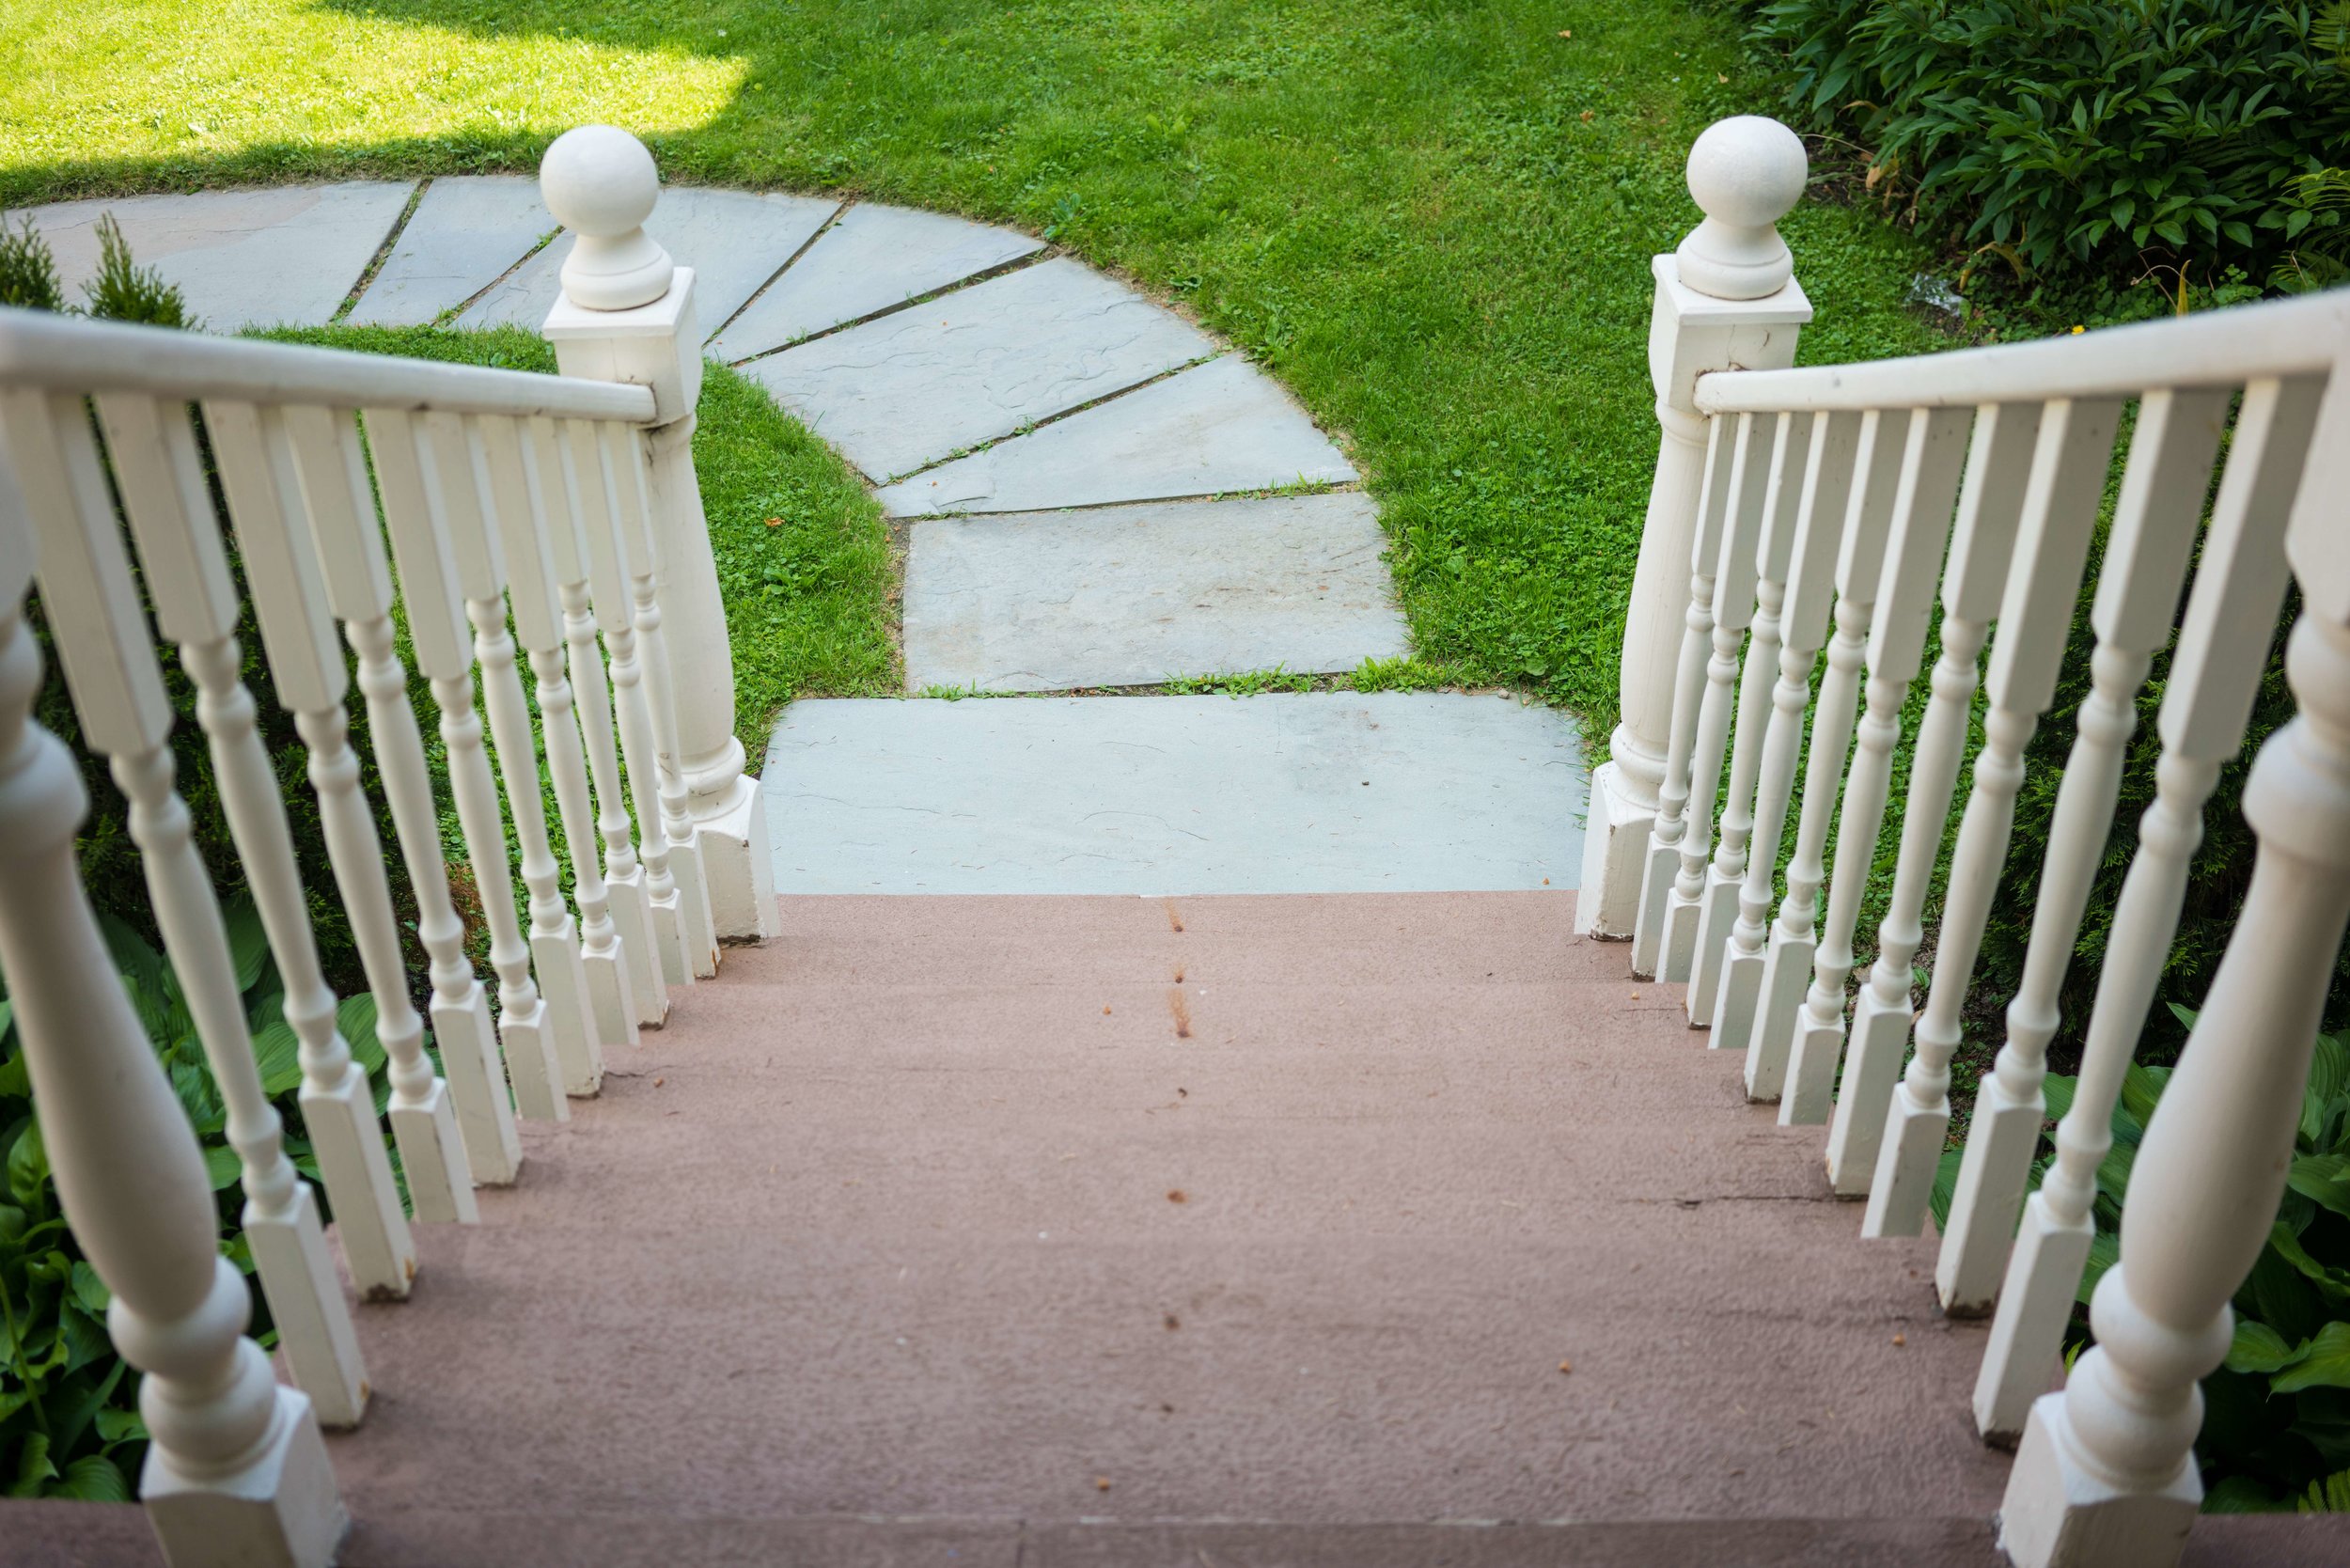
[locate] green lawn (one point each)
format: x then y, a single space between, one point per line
1432 220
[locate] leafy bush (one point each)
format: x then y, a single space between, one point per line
2277 1414
70 1425
126 292
122 290
2188 134
28 273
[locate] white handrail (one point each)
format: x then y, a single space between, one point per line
1990 512
2218 348
69 354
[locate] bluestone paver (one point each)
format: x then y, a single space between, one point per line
1126 596
872 259
1216 427
285 255
733 240
1311 792
916 385
468 230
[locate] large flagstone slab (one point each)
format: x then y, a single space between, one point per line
1294 792
916 385
286 254
1217 428
733 240
464 234
872 257
1129 596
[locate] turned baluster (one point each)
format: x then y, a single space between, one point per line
492 446
1733 610
2206 703
647 590
1766 586
1806 1079
1981 541
2105 1474
421 469
2043 577
613 555
2138 591
100 634
337 1103
255 450
1671 823
341 507
236 1471
1933 453
587 472
1817 532
526 519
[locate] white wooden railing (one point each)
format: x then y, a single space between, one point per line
494 518
1974 479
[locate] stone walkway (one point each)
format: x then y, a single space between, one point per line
1081 474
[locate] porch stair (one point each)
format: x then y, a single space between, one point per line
874 1256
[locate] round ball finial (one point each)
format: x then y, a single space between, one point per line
601 183
1746 173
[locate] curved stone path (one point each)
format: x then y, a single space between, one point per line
1063 454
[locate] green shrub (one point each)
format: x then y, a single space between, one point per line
2275 1433
28 273
2187 134
70 1425
126 292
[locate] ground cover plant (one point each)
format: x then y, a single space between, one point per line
1430 220
2063 140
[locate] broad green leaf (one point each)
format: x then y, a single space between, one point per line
121 1426
2141 1090
16 1077
1944 1187
83 1337
91 1291
2323 1362
2057 1090
2258 1348
32 1467
28 1168
355 1018
2329 1075
277 1052
248 943
223 1166
2323 1179
92 1478
2333 1281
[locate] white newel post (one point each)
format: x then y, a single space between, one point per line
627 314
1727 299
236 1473
2106 1475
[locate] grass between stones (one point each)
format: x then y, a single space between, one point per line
804 558
1432 222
